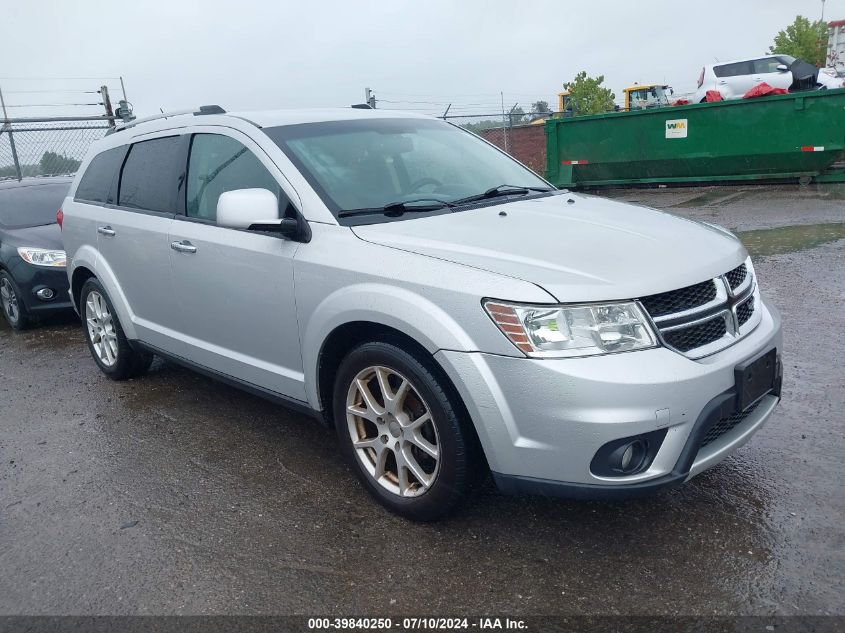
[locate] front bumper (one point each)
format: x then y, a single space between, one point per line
542 421
30 279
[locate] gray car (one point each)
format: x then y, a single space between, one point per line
445 309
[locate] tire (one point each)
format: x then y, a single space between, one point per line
12 305
420 425
106 341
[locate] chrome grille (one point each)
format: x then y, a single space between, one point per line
706 317
680 300
736 276
744 311
688 338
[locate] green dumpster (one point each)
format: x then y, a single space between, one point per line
778 137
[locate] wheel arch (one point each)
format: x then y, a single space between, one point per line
347 336
80 275
88 263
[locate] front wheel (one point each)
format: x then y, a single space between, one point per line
402 431
104 335
13 307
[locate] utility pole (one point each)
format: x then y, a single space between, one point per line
7 124
504 121
104 93
370 98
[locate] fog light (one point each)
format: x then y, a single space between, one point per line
626 457
629 457
46 294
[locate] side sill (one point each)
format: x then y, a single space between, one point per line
290 403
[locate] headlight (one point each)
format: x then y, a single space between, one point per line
577 330
43 257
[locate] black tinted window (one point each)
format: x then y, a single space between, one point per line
219 164
97 181
733 70
150 175
32 205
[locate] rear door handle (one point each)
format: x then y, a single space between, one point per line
106 230
183 247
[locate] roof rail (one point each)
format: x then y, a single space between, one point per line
203 110
209 109
361 106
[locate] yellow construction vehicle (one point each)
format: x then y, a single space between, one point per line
640 97
563 101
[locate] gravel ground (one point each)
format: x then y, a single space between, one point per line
175 494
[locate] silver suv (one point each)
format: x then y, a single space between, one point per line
445 309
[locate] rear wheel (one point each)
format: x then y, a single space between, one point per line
104 335
403 434
13 307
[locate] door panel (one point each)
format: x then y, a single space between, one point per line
765 70
235 287
734 79
133 237
135 248
235 292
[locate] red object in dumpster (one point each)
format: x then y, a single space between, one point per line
713 95
763 90
681 102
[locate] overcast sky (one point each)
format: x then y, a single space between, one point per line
293 53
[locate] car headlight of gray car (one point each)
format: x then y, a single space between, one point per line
563 331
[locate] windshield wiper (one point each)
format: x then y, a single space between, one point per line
501 190
399 208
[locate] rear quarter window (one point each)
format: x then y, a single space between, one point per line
97 183
150 175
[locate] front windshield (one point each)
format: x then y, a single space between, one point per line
371 163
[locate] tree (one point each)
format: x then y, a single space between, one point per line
588 96
52 163
803 39
540 107
540 110
479 126
516 116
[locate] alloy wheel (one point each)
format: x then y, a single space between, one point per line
100 325
392 431
9 298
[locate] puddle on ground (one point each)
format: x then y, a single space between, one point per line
712 198
788 239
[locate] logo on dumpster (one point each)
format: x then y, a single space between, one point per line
676 128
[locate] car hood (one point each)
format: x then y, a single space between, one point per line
47 236
590 249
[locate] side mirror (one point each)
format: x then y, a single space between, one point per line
256 210
241 208
782 68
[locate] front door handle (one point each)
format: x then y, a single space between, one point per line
106 230
183 247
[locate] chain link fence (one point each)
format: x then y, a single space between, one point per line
46 148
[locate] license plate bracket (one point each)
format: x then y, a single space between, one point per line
755 378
